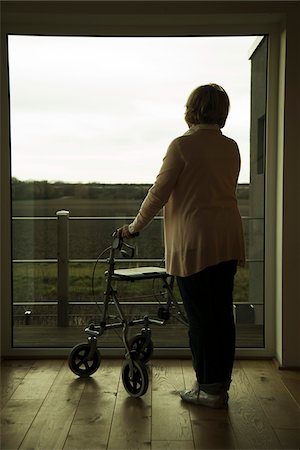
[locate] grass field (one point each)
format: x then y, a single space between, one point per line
38 283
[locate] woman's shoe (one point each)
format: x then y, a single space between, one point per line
198 397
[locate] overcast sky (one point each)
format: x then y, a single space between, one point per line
99 109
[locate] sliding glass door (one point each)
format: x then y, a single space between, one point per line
91 119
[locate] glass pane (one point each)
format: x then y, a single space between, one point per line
80 138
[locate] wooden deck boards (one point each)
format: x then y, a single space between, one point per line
46 407
169 335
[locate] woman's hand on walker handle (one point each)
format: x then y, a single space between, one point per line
124 232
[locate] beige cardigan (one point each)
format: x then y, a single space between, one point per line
197 187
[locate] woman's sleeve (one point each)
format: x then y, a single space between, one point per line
160 192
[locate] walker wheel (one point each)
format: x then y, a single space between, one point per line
135 383
79 364
137 343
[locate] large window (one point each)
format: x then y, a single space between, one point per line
91 119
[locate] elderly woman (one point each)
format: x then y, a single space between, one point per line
204 240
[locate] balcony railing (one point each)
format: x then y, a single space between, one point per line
63 262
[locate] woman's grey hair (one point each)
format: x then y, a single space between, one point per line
207 104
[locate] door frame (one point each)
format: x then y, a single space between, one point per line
155 24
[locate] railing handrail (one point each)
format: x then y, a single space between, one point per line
105 218
78 217
103 260
98 302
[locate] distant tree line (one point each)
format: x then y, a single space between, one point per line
45 190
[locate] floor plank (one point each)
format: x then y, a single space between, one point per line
248 419
281 408
52 423
172 445
131 424
91 426
38 380
291 380
170 422
289 439
26 399
12 374
16 419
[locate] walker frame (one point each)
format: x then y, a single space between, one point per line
85 358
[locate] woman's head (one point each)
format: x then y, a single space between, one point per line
207 104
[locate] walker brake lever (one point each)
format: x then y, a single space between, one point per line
129 252
117 241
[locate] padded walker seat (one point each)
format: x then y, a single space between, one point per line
139 273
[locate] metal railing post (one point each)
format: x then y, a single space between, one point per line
62 268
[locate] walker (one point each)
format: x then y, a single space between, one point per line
85 358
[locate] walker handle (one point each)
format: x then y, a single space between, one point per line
118 241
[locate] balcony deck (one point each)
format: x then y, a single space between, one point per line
170 335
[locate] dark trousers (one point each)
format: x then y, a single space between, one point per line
207 299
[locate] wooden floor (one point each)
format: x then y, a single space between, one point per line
44 406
